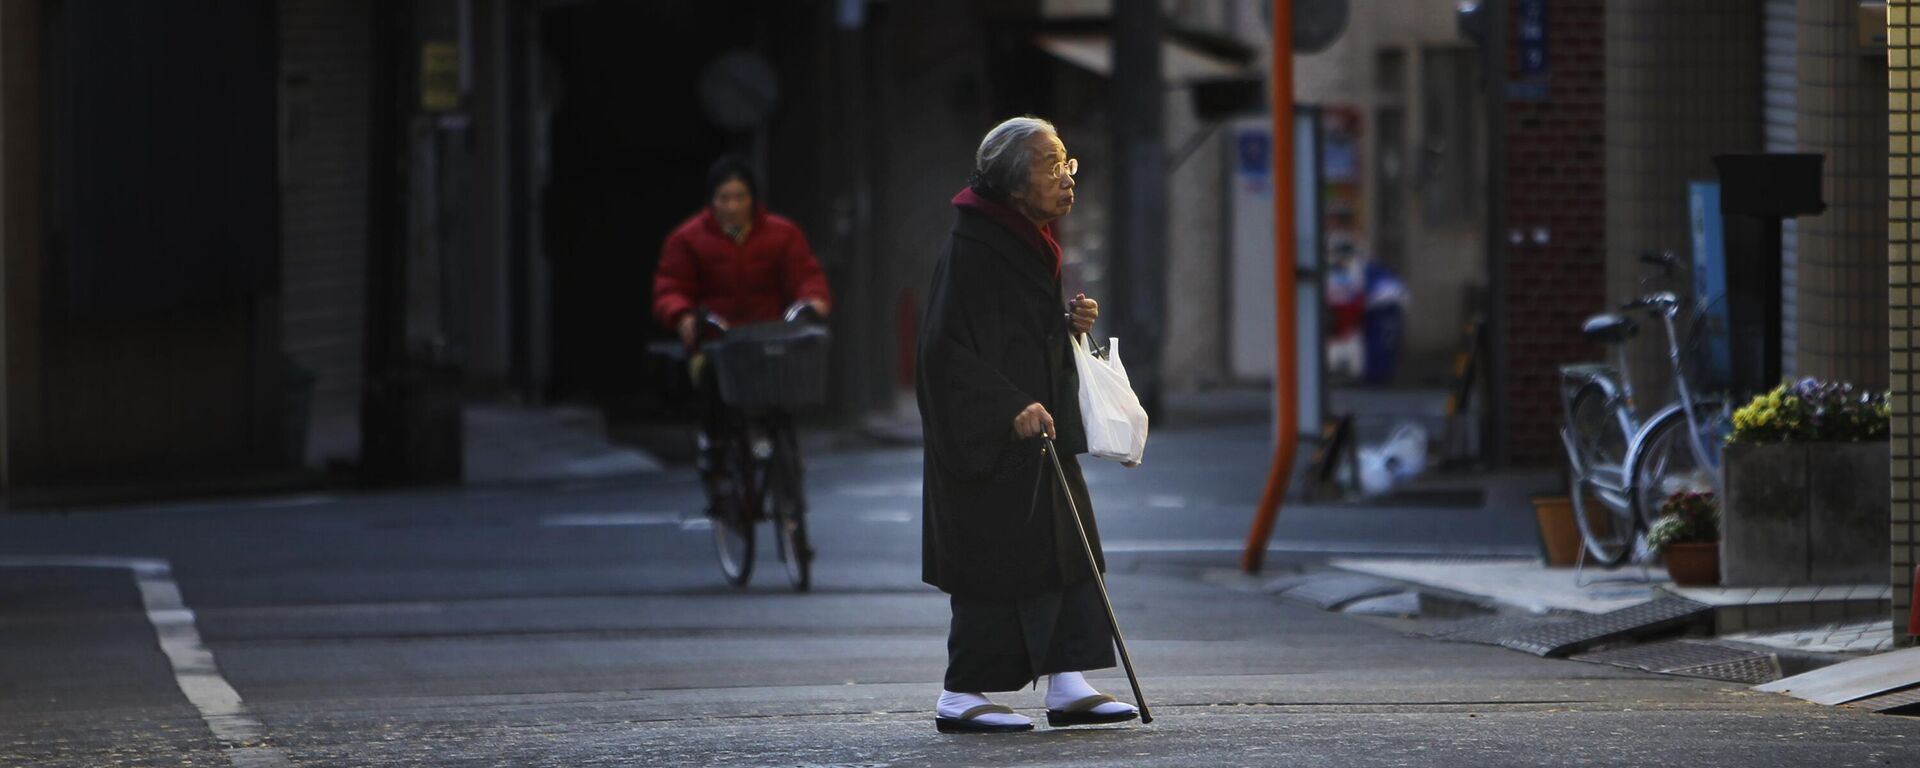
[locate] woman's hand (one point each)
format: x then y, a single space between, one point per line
1085 311
1033 421
686 329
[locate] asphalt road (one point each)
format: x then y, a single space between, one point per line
587 625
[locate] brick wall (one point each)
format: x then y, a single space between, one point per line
1555 184
1903 302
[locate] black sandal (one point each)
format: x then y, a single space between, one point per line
966 723
1081 713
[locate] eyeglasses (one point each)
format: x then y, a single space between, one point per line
1064 169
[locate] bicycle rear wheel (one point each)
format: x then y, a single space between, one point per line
1608 528
787 499
1600 430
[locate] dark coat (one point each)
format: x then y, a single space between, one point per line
995 339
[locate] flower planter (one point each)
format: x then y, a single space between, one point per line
1806 513
1693 563
1559 536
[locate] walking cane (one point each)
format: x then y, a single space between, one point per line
1101 583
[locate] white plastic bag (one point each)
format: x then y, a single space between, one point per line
1376 477
1116 424
1406 451
1402 457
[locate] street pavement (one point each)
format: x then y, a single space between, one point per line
586 624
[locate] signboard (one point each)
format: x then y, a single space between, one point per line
1709 286
1533 37
439 77
1251 335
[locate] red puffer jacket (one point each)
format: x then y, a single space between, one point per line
748 282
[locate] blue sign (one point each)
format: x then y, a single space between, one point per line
1256 153
1533 37
1710 286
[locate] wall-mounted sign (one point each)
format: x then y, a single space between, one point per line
1873 28
1532 20
439 77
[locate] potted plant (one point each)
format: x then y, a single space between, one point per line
1807 487
1687 536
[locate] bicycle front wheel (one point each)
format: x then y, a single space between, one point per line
1665 463
1608 528
731 516
787 497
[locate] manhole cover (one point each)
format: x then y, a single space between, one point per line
1398 604
1330 592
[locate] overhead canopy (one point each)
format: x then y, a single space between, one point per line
1179 61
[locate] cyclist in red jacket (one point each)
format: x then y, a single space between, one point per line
741 263
735 259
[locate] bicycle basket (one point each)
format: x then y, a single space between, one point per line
772 365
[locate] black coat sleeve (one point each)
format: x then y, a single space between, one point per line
968 403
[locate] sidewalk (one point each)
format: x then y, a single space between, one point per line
1632 617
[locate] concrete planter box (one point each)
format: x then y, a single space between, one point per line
1805 513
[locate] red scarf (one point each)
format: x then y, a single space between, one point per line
1038 237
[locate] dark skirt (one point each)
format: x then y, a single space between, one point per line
1006 645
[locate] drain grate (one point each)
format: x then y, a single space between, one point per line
1763 668
1584 632
1330 592
1693 658
1905 701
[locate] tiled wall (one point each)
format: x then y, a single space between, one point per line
1903 264
1840 322
1683 85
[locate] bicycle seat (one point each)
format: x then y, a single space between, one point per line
1609 328
1662 300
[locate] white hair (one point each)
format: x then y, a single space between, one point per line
1002 163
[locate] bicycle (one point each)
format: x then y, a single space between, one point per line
763 370
1624 469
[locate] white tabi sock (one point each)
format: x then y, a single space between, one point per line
1065 688
956 704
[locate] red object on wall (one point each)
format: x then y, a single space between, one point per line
1913 606
907 319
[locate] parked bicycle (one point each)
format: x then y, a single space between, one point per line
1623 468
764 370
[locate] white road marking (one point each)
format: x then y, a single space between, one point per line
1336 547
1163 501
887 516
276 502
194 669
595 519
880 490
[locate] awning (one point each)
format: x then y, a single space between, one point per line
1179 61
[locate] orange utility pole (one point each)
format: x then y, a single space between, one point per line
1286 377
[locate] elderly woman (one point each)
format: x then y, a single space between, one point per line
995 374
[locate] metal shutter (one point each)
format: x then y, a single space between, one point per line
324 81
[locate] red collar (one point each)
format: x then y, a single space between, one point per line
1036 236
712 222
